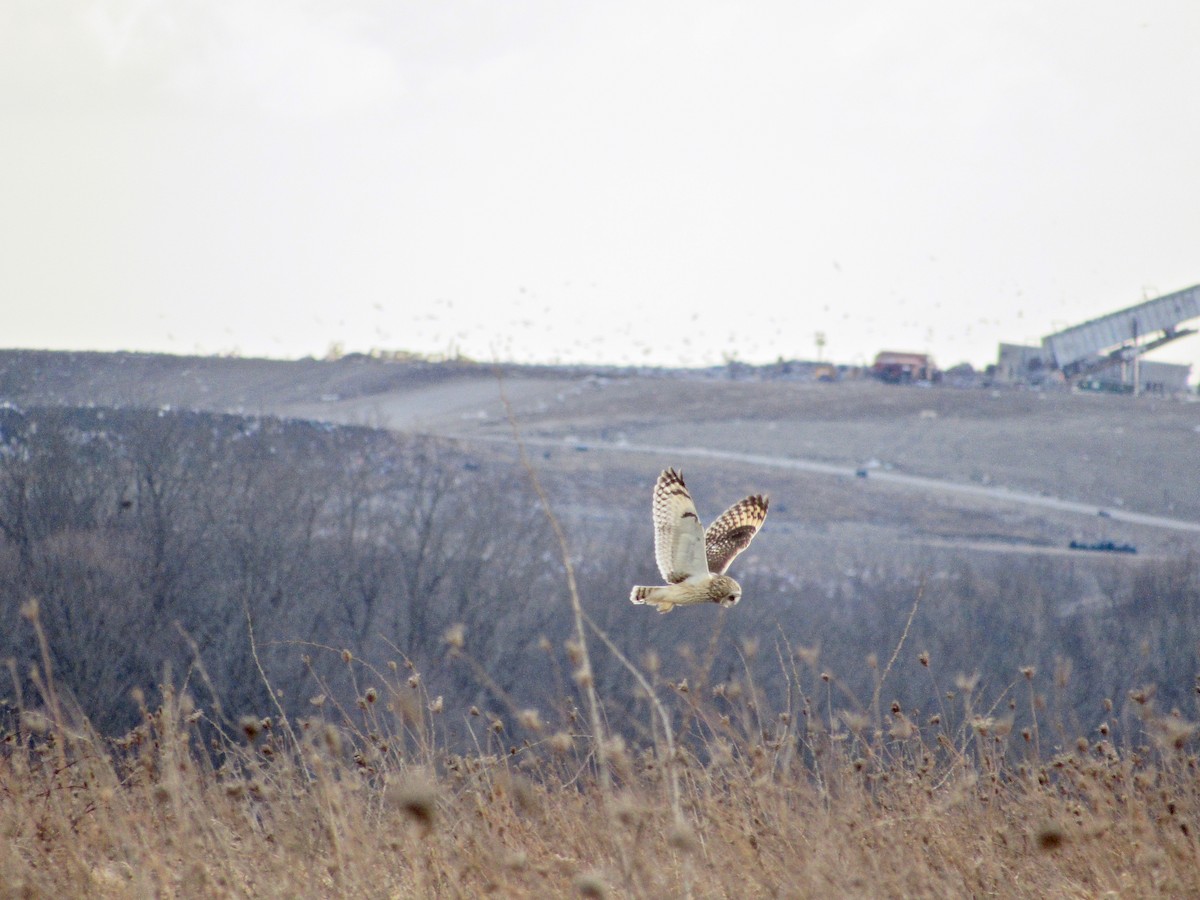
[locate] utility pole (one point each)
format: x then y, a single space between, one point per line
819 337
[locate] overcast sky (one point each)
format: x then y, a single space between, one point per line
627 182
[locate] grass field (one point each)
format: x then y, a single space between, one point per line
722 798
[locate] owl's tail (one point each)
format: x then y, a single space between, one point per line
643 594
655 595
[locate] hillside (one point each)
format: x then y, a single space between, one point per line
1115 453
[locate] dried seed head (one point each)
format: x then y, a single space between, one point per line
29 609
749 647
1062 671
966 683
392 665
825 676
574 652
251 725
617 752
582 677
474 710
456 635
530 719
414 680
544 644
1028 672
561 742
496 725
416 798
371 695
872 661
1172 732
682 687
856 722
1050 836
1108 705
333 740
592 886
808 655
318 701
436 705
982 724
347 656
923 658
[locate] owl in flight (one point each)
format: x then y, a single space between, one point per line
693 561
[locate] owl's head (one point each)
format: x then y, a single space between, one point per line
724 590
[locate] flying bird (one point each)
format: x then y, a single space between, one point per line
693 561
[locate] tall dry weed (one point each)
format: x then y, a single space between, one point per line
720 796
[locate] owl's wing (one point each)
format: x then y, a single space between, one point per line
732 532
678 536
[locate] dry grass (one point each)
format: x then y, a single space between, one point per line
370 800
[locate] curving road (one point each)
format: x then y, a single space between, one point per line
916 482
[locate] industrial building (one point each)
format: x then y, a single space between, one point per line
1105 353
903 368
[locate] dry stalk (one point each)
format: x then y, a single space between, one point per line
31 610
573 589
912 613
676 807
287 725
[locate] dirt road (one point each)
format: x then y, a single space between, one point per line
915 482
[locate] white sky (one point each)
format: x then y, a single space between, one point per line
626 182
